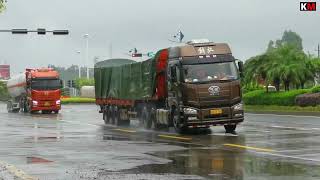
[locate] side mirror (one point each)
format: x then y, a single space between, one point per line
28 84
173 74
61 83
240 66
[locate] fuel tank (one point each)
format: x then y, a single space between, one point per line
17 85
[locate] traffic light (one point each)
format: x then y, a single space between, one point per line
73 83
19 31
41 31
60 32
136 55
69 83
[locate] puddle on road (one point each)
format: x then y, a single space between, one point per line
223 164
37 160
117 138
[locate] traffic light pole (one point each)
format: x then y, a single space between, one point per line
40 31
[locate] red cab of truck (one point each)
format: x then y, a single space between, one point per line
45 91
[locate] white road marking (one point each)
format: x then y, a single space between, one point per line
284 115
290 157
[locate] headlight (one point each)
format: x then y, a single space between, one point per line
238 107
58 102
190 111
35 103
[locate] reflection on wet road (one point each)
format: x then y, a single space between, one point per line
77 145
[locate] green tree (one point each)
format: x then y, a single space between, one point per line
2 7
293 39
288 64
84 82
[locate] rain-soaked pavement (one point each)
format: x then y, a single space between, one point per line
77 145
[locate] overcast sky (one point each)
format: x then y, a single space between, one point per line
247 25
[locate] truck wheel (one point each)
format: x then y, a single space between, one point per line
56 111
230 128
117 120
105 116
25 107
145 118
153 119
9 106
110 114
45 112
178 126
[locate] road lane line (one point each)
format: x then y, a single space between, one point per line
16 172
125 130
291 157
174 137
249 147
284 115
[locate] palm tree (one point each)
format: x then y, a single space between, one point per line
2 5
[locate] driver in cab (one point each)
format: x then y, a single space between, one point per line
201 75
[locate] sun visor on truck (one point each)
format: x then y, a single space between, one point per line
199 49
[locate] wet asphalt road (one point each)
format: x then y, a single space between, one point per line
77 145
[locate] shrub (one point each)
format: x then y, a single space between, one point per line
260 97
315 89
4 95
247 89
77 100
310 99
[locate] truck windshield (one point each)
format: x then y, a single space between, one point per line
200 73
46 84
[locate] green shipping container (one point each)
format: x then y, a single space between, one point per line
125 79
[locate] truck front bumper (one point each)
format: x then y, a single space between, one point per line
46 105
205 117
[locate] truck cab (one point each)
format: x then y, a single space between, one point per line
43 91
204 86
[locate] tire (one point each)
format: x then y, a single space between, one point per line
15 110
33 112
124 118
9 106
176 120
145 118
25 107
46 112
110 114
230 128
117 120
113 114
153 119
56 111
105 116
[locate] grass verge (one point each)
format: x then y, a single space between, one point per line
77 100
275 108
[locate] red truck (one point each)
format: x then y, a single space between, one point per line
35 90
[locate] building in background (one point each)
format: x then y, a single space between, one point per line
4 72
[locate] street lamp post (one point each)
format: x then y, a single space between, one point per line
86 36
79 66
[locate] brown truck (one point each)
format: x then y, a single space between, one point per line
192 86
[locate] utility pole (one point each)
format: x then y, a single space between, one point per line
86 36
79 66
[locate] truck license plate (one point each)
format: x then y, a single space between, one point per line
47 104
215 111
